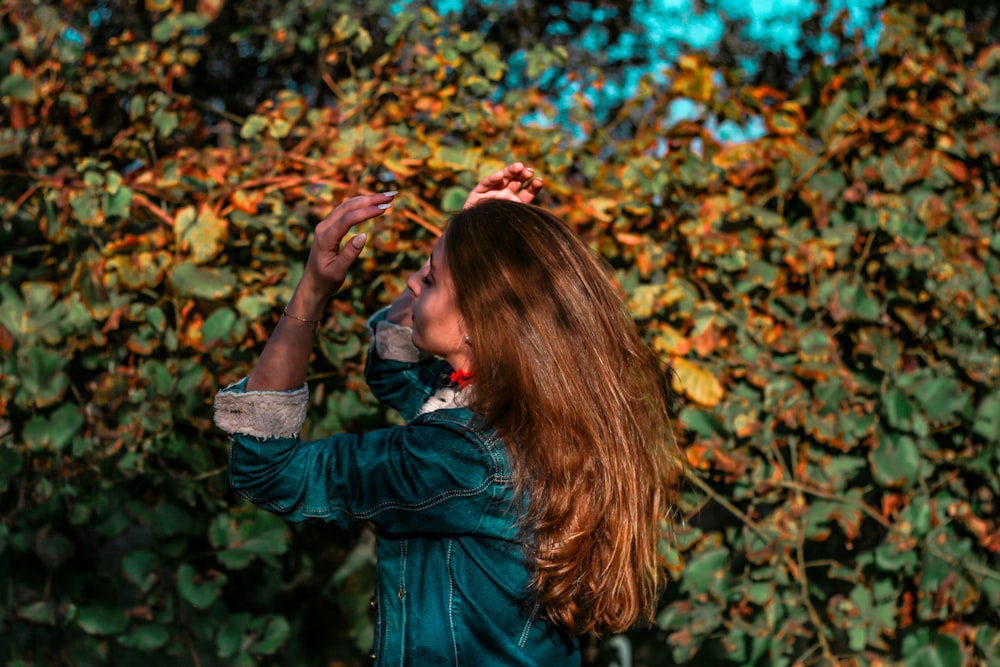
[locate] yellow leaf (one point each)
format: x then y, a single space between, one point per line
201 235
642 301
600 208
697 382
787 120
668 341
455 158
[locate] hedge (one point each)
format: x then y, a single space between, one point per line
827 296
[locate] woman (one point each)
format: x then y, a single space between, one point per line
522 504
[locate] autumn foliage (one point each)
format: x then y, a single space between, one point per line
827 295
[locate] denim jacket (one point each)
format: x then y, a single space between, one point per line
451 574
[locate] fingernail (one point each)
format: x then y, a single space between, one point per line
391 193
384 206
359 241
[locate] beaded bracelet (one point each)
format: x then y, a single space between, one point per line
315 323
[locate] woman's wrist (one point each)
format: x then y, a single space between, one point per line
307 303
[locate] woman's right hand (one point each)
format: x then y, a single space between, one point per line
330 258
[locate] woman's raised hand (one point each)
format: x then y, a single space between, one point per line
329 258
515 182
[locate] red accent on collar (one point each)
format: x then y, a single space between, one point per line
461 378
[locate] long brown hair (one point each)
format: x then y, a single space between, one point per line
564 376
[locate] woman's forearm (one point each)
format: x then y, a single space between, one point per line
283 363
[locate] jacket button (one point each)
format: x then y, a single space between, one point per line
373 602
372 656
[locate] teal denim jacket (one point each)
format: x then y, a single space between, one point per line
451 574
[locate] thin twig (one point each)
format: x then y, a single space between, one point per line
20 200
750 523
868 509
803 580
420 221
143 200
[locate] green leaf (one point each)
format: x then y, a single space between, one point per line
146 637
896 460
705 570
701 422
87 209
857 299
493 67
229 641
941 397
199 590
893 557
254 125
204 283
272 632
118 204
140 567
11 463
453 199
245 536
987 420
241 633
42 612
165 122
19 88
219 325
42 376
101 620
926 649
902 413
828 183
55 431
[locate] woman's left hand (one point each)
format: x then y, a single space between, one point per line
515 182
329 260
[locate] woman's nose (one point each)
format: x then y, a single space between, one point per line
414 281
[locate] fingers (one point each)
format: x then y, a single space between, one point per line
349 253
530 189
354 211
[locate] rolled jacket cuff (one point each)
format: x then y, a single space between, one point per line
394 342
261 414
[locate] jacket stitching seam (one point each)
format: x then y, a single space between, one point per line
451 600
402 601
527 627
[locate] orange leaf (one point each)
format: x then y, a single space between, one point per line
247 201
707 341
210 8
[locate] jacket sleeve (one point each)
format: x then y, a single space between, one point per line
399 374
431 476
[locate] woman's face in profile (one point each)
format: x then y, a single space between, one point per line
438 327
